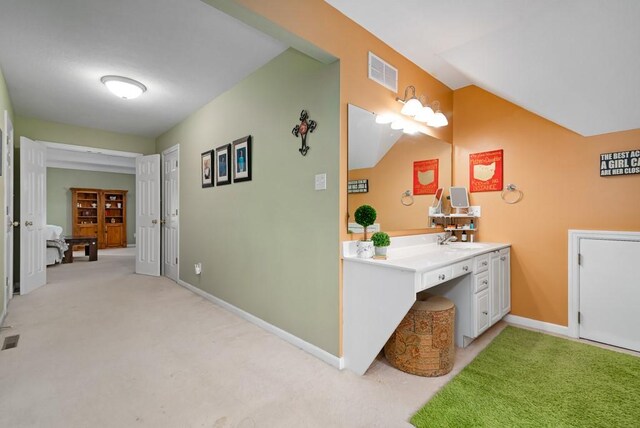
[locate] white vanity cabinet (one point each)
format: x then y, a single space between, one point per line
377 294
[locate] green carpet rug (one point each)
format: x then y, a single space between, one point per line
529 379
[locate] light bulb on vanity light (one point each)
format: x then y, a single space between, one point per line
410 128
439 119
425 114
412 105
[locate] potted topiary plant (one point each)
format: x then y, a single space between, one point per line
365 216
381 242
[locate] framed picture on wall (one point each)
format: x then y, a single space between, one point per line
207 168
223 160
242 159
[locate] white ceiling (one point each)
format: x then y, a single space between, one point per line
574 62
186 52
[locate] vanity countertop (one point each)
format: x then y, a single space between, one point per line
425 256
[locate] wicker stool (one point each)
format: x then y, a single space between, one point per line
423 342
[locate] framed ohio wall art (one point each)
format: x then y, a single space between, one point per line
223 158
425 177
207 169
485 171
241 153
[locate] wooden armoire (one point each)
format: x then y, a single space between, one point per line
100 213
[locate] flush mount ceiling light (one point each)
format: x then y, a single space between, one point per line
123 87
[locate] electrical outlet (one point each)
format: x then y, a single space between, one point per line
198 268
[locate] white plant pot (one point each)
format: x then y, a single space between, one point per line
365 249
381 251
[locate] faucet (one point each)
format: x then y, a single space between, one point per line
449 238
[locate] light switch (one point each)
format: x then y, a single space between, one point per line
321 181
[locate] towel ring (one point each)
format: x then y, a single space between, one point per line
406 199
511 189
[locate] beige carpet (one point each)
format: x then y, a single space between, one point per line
103 347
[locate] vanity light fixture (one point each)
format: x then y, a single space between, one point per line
123 87
411 105
422 113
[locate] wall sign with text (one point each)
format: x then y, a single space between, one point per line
485 171
425 177
358 186
620 163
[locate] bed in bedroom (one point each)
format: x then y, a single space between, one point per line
56 246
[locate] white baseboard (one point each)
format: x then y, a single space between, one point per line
131 245
537 325
325 356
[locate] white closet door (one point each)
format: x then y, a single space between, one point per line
610 292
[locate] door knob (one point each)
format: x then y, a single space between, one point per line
15 223
28 223
163 221
154 221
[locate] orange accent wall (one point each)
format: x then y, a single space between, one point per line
558 171
393 175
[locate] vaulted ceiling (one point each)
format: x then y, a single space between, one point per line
574 62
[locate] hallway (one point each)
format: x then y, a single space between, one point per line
102 347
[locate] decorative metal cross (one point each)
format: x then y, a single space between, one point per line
302 130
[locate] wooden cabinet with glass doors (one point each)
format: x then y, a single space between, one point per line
100 213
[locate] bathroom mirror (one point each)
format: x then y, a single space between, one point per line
459 197
381 170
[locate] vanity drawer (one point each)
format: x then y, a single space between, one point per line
462 268
436 277
480 281
481 263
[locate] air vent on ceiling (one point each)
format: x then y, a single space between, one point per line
382 72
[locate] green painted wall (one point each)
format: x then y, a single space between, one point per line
5 104
60 180
269 246
37 129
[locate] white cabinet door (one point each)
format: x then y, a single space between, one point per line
495 279
505 284
481 312
610 292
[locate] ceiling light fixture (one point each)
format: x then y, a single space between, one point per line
123 87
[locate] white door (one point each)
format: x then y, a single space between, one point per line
33 215
170 207
610 292
8 204
148 215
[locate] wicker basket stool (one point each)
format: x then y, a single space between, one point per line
423 343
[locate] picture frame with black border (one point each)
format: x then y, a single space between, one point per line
242 159
207 169
223 160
